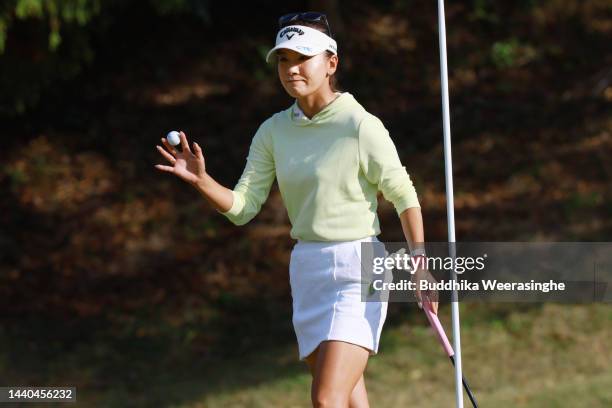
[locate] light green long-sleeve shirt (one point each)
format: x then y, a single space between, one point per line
329 169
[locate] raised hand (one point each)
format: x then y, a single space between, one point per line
187 165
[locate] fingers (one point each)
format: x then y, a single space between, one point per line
184 144
400 252
427 295
167 169
417 289
432 298
167 155
169 146
433 295
431 304
198 151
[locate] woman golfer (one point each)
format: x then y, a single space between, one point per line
330 157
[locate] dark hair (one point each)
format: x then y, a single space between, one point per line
333 80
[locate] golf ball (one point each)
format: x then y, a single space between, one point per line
173 138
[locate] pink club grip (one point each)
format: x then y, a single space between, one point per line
437 326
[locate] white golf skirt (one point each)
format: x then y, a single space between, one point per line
326 287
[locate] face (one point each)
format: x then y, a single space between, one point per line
302 75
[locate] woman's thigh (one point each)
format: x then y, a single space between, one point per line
339 366
311 361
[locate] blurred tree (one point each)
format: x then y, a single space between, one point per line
332 10
53 12
45 41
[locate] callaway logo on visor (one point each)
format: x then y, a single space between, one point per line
290 29
305 40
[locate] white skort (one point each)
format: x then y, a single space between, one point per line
326 287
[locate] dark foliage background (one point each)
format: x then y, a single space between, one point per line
128 271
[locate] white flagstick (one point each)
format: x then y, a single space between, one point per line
450 203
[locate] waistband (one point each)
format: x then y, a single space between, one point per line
324 244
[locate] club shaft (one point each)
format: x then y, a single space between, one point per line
466 386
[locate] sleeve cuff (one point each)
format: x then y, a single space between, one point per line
403 206
236 207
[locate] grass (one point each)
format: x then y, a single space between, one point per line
550 355
514 355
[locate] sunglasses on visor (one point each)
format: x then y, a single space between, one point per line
310 16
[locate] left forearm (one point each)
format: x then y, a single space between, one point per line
412 225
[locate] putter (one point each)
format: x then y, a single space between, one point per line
439 330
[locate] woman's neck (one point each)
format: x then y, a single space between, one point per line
315 103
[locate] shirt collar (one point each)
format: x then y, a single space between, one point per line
298 114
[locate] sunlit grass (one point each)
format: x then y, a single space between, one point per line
537 356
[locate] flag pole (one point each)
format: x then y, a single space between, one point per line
450 204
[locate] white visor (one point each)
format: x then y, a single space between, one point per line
305 40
